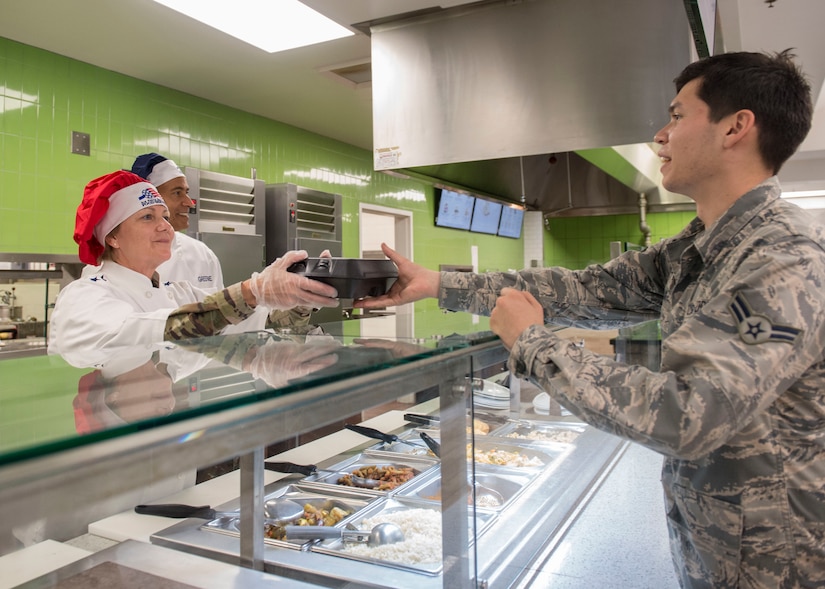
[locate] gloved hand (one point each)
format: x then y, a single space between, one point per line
278 362
276 288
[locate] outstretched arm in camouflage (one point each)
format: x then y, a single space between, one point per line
515 311
414 283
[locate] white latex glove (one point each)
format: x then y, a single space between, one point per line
278 362
276 288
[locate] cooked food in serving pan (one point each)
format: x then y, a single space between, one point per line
319 510
420 551
372 473
511 455
316 513
499 452
378 477
536 432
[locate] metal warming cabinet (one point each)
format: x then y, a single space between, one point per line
299 218
229 217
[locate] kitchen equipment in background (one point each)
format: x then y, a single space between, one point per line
617 248
229 217
300 218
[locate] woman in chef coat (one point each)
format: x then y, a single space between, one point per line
123 221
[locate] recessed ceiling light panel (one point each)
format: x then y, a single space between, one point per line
271 25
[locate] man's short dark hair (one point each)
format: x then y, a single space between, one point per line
769 85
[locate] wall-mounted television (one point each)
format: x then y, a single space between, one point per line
486 215
511 221
454 210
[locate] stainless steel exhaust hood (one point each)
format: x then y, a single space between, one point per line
476 94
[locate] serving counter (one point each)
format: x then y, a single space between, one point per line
149 418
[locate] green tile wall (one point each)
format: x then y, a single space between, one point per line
578 241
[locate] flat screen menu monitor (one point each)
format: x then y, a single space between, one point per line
511 220
455 210
486 215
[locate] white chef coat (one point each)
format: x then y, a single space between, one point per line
192 261
113 308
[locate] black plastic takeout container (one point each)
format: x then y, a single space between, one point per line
353 278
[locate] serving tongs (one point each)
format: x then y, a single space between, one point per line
311 469
426 420
276 510
388 439
291 468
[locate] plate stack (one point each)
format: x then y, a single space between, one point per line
490 395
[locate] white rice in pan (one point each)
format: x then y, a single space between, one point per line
422 537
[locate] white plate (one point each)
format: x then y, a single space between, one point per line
541 402
490 390
481 401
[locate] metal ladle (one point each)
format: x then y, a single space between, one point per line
381 534
282 509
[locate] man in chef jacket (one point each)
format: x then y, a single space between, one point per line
192 261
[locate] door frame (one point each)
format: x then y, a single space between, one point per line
405 321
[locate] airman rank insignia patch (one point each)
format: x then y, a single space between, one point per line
757 329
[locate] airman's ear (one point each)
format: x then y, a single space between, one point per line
741 124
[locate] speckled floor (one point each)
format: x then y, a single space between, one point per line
619 540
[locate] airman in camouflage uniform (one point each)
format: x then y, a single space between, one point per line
738 405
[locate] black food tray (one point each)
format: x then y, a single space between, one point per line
354 278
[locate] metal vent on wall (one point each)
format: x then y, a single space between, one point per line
224 203
315 217
229 218
356 74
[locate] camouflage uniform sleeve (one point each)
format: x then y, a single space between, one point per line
233 350
754 333
624 291
292 318
209 316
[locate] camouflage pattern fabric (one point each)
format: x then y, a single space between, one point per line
738 405
223 308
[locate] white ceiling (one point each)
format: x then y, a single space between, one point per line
143 39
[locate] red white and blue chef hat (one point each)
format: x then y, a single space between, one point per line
156 169
107 202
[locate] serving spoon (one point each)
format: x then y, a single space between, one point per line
381 534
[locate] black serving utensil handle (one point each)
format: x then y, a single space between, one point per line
373 433
417 418
177 510
291 468
432 444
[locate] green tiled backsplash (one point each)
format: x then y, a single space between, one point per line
44 97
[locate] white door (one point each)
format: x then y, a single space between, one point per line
394 227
